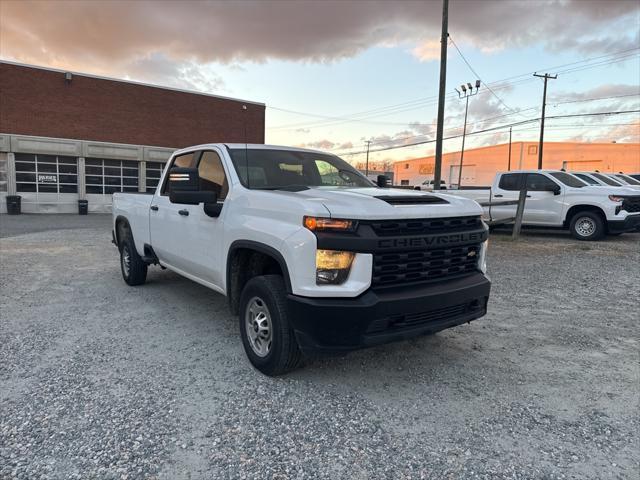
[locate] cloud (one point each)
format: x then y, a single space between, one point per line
606 90
320 144
160 70
427 51
98 34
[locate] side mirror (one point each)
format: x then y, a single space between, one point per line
555 189
382 181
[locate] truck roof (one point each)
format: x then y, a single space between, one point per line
251 146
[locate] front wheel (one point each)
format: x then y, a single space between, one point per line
587 226
267 336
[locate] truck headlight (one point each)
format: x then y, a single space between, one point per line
616 198
333 266
482 259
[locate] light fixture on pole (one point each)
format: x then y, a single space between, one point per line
467 91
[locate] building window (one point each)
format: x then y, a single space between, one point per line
532 149
46 173
404 182
406 166
108 176
3 172
154 172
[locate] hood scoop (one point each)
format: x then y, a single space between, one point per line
412 199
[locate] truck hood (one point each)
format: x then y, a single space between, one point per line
367 204
606 190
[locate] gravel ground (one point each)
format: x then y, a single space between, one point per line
103 381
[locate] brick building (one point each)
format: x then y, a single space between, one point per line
69 136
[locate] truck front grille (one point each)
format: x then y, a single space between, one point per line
415 266
631 204
385 228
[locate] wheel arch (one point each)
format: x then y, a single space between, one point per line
584 208
247 259
120 223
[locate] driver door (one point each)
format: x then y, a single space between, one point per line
543 206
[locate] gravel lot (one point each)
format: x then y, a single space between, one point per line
103 381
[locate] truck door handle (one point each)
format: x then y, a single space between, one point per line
184 213
528 196
498 196
154 208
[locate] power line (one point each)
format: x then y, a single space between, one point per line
491 129
363 116
478 76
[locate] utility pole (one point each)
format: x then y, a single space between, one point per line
546 77
466 93
366 168
444 39
509 165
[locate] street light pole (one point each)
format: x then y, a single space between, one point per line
467 91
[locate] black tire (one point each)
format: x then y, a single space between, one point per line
136 273
282 354
587 225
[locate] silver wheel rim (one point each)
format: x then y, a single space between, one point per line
585 226
258 326
126 261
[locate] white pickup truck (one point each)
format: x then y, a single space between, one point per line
558 199
313 257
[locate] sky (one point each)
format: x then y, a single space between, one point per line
335 74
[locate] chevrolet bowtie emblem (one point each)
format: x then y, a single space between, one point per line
472 253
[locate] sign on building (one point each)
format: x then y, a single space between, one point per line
47 178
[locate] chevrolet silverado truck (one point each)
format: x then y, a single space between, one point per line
559 199
312 256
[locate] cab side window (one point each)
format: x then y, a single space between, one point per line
183 161
511 181
212 176
539 183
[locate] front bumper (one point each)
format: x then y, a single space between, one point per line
335 325
629 224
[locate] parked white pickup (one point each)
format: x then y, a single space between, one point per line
559 199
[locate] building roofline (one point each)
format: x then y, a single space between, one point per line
131 82
523 142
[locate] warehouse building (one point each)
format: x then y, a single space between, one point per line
480 165
67 137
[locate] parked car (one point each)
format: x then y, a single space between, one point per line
560 199
312 256
591 178
429 184
626 180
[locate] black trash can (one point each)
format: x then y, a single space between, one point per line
83 207
14 205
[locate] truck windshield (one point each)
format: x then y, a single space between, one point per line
607 180
568 180
276 169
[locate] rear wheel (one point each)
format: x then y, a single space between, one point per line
587 226
267 336
134 269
